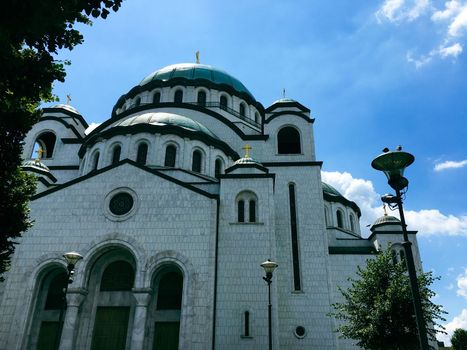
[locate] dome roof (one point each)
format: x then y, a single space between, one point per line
165 119
247 160
328 189
67 107
385 220
284 100
330 194
196 71
35 164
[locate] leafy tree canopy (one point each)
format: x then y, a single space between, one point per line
459 339
31 32
377 310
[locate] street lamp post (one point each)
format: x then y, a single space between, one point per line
393 164
269 267
71 259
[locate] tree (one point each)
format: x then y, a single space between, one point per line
378 311
459 339
31 32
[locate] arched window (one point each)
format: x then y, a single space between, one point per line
156 98
113 301
241 210
352 223
202 98
44 145
247 207
95 161
118 276
196 164
288 141
137 101
252 210
49 301
170 156
223 102
178 97
142 153
117 150
218 167
242 109
340 219
166 309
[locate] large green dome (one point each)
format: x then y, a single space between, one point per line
196 71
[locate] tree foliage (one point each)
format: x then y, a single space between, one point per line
31 32
377 310
459 339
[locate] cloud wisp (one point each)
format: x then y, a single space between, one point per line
452 18
462 284
450 164
426 221
460 321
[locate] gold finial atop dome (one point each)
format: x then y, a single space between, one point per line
68 99
247 148
197 57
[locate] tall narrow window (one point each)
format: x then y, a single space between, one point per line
170 156
46 317
246 324
142 153
167 310
257 118
223 102
156 98
202 98
326 217
352 223
340 219
178 97
137 101
196 161
241 210
288 141
242 109
252 210
218 167
116 154
95 161
294 236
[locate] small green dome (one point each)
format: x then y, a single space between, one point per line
328 189
67 107
385 220
332 195
35 164
196 71
166 119
247 160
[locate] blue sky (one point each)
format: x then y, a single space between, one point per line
374 73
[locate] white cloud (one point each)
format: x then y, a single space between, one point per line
451 9
462 284
449 164
419 62
459 23
459 321
362 192
453 50
91 127
399 10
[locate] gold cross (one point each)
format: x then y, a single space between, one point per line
247 148
39 152
384 208
68 99
197 57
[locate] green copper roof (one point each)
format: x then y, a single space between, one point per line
195 71
328 189
166 119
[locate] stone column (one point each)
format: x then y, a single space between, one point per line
74 298
143 297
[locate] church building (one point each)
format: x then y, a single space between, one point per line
174 202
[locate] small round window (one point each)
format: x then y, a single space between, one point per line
121 203
300 332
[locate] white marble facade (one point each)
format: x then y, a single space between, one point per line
173 220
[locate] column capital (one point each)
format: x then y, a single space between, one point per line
142 296
75 296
